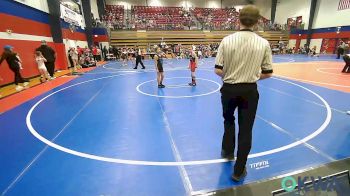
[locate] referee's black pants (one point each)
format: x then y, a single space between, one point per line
346 68
50 66
139 60
340 51
18 77
245 97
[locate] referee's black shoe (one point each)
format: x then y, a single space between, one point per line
239 177
229 156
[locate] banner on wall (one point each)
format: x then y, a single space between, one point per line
299 21
71 16
344 4
295 22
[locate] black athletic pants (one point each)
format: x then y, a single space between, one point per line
340 52
70 61
50 66
346 68
139 60
18 76
245 97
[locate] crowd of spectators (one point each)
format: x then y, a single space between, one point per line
159 18
84 57
177 18
217 18
114 17
177 51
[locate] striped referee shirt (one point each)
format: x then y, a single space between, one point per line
243 56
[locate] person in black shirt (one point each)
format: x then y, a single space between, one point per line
346 68
340 50
158 60
115 51
70 59
138 55
13 62
104 52
50 55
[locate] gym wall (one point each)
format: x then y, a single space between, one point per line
325 27
28 26
293 8
328 15
23 25
94 8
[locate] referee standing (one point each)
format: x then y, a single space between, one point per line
243 58
138 58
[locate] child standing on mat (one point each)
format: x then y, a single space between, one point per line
40 60
192 67
75 57
158 61
124 57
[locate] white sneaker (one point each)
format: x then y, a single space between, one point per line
19 88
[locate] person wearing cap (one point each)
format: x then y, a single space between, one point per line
243 58
14 64
50 55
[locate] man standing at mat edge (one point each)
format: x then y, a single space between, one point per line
243 58
50 55
138 54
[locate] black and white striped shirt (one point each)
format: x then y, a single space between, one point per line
243 56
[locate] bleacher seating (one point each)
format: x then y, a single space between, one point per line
159 18
217 18
177 18
114 16
184 37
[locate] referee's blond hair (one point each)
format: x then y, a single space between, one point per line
249 15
